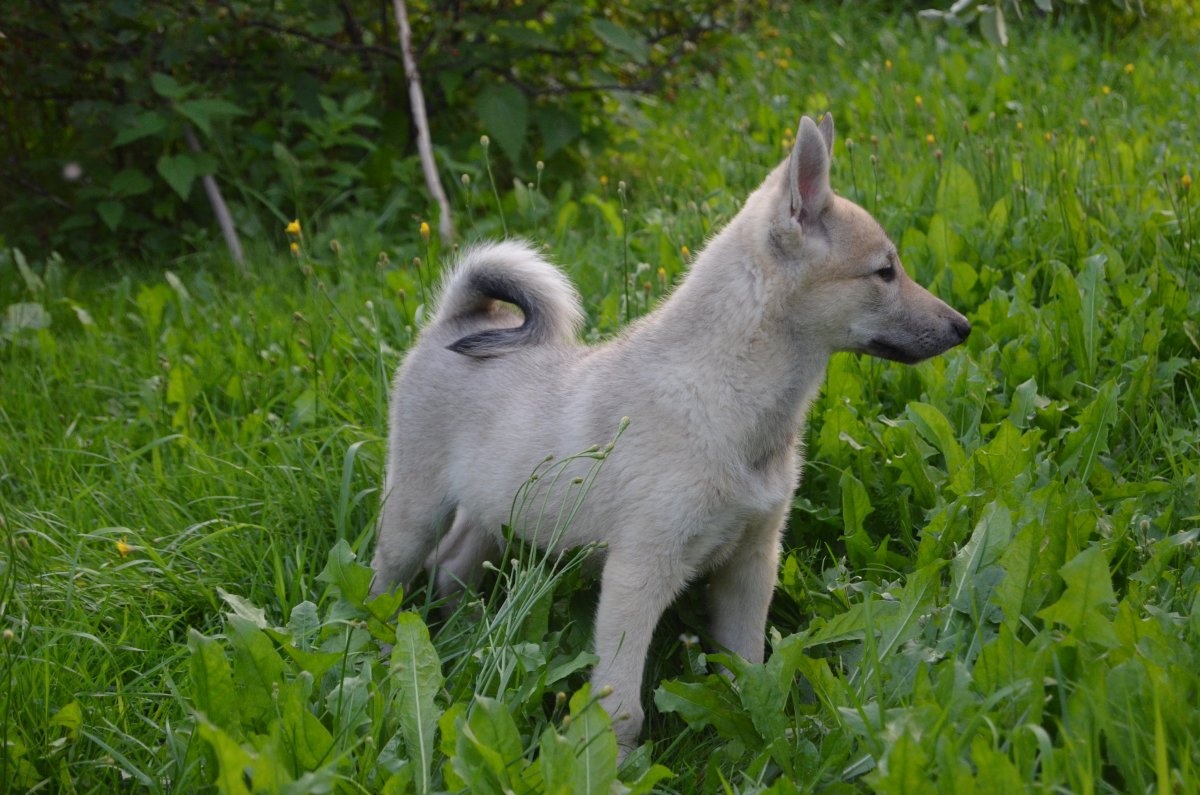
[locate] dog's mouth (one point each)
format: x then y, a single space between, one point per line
884 350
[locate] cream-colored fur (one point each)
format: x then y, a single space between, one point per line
715 382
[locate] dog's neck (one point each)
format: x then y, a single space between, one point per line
718 338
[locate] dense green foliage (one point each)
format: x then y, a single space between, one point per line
990 582
298 109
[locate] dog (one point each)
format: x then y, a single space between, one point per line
715 383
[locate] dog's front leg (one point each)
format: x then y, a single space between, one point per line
740 589
635 589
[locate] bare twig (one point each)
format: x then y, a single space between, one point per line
417 100
220 209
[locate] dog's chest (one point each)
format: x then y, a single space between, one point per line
741 504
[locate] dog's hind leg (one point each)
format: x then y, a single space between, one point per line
457 560
740 589
409 527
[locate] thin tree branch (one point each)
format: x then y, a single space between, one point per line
424 145
220 209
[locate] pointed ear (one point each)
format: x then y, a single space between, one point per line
808 169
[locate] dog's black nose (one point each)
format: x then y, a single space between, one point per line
961 327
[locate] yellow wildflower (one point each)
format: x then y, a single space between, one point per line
1105 90
295 247
929 139
1020 126
1128 68
123 547
920 102
293 228
1083 122
603 181
425 231
662 272
887 64
1049 137
684 250
1186 181
782 63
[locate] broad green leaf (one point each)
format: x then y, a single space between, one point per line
763 688
166 86
958 197
937 430
179 171
990 537
621 39
416 673
994 773
1023 403
488 753
1003 661
645 783
232 760
943 241
1017 561
33 282
344 572
1093 296
347 702
708 702
25 316
81 314
315 663
213 693
257 668
202 112
145 124
558 763
70 717
182 386
1083 445
902 768
111 213
991 24
304 624
504 111
1089 595
448 725
610 211
242 607
301 735
151 302
916 602
1069 309
558 127
591 736
852 623
130 182
856 506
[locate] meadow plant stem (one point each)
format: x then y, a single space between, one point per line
487 161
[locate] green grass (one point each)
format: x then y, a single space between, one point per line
991 581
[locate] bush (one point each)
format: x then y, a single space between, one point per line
297 109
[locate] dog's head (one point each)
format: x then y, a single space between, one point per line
843 283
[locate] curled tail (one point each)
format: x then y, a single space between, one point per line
512 272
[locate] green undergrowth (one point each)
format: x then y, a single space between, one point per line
990 580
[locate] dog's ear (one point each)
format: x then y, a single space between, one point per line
808 169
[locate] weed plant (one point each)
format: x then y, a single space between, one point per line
990 580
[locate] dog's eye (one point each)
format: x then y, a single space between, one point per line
887 274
